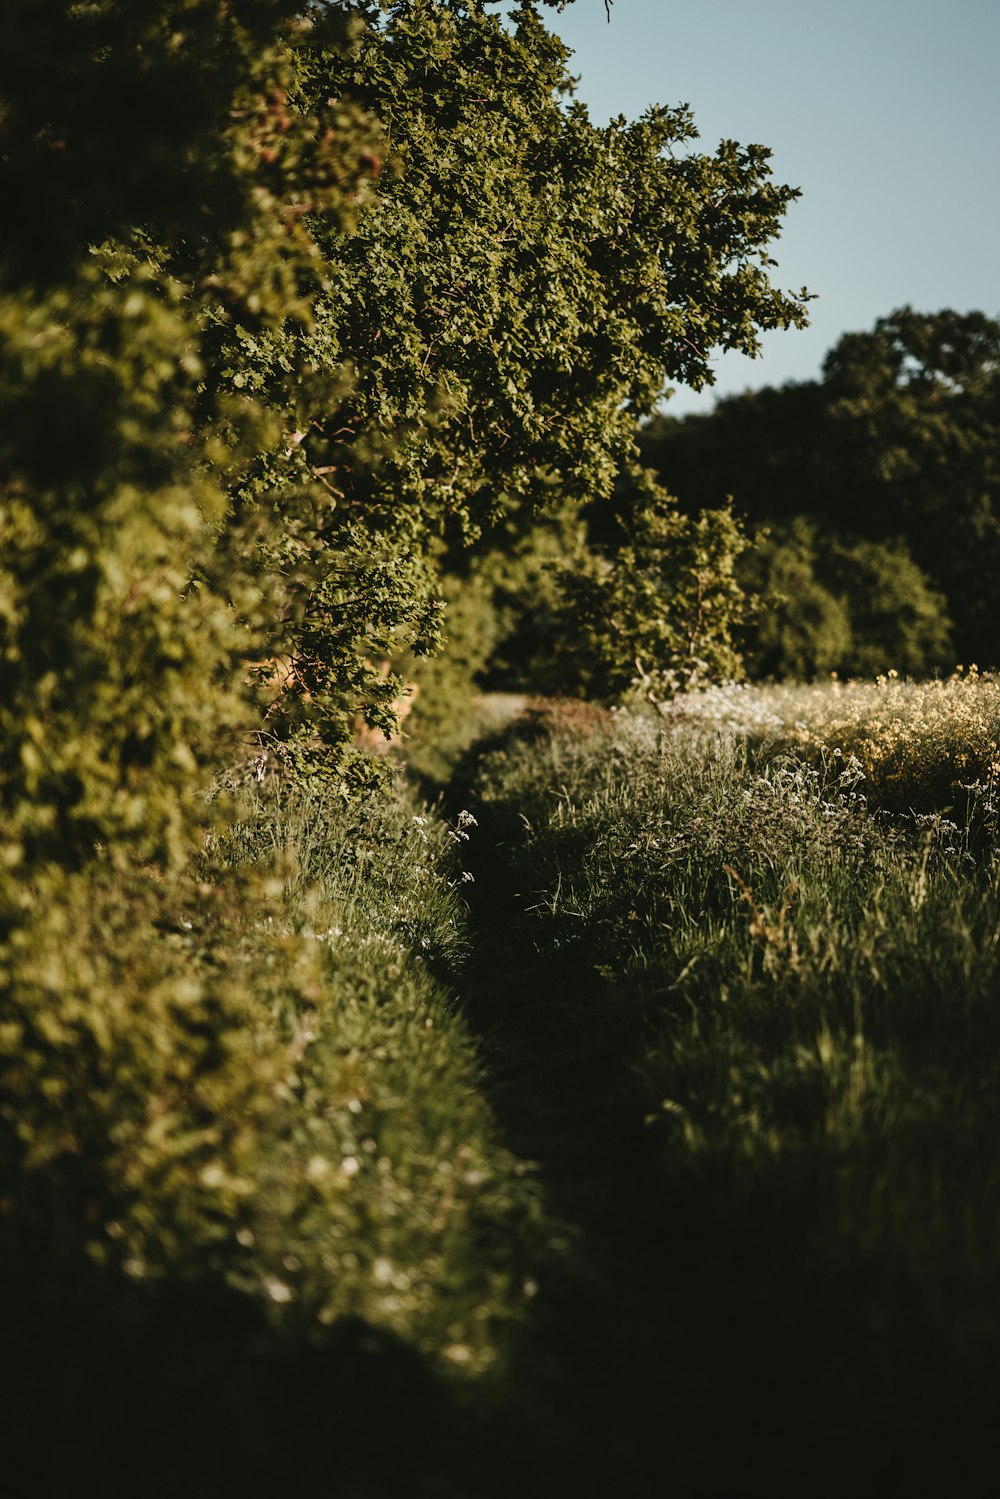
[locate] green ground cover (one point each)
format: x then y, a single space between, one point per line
659 1157
749 1026
286 1261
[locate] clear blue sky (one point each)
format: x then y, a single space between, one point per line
886 113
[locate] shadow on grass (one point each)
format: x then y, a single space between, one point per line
697 1339
125 1391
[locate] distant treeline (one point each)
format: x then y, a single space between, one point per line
874 493
870 497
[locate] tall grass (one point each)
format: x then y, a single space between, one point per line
287 1259
799 1005
660 1157
925 746
391 1198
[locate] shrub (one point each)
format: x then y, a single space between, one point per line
264 1084
656 614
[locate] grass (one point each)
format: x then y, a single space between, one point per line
292 1262
426 1224
924 746
750 1028
658 1157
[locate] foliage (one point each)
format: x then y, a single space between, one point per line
165 190
126 606
503 337
256 1106
322 1126
524 285
803 629
916 405
250 398
501 620
899 443
854 609
897 616
658 612
519 287
923 746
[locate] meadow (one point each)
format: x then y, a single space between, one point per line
625 1119
747 1021
565 1101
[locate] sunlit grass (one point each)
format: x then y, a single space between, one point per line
796 998
376 1205
684 1109
929 746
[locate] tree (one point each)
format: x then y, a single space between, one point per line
914 408
520 287
296 295
855 608
803 627
898 444
168 193
166 190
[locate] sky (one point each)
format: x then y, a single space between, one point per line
886 113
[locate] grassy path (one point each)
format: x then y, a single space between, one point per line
648 1368
710 1329
663 1159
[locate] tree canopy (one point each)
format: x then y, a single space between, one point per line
516 292
324 381
897 446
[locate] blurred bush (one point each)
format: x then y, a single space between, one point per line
832 605
898 444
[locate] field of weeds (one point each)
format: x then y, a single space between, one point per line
747 1017
923 746
624 1121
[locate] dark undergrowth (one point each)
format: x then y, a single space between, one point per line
184 1389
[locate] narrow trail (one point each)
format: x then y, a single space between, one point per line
627 1363
555 1088
627 1366
678 1344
